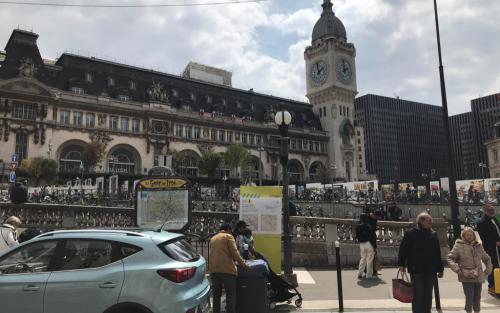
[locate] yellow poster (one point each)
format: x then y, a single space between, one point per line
261 208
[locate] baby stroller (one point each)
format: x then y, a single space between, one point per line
279 289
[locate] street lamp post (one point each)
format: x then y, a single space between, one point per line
283 120
260 149
451 161
81 182
333 169
483 167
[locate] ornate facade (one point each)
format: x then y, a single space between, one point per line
53 108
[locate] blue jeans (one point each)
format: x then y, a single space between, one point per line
423 284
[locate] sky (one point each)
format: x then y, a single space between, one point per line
263 43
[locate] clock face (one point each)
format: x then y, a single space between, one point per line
344 71
319 72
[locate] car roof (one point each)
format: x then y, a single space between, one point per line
107 234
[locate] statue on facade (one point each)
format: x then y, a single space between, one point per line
26 68
157 93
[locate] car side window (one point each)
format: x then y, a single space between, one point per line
32 258
83 254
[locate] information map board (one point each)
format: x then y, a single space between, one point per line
163 202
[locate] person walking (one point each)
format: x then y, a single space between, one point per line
420 254
489 231
367 239
466 259
8 232
222 269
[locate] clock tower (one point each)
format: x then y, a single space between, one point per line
331 89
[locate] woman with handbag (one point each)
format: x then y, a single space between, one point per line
466 259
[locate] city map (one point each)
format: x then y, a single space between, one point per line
169 207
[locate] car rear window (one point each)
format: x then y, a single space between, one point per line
180 250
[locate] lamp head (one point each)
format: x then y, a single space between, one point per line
283 118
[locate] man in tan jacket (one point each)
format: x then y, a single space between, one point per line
222 268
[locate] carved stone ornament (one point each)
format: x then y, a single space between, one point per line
102 137
101 119
157 93
26 68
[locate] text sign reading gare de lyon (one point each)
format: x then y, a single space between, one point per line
163 203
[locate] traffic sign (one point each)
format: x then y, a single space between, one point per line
12 177
15 158
13 166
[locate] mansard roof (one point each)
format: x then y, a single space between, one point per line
72 70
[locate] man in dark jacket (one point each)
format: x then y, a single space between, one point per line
365 234
420 253
489 231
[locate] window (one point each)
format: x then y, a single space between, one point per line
175 93
213 134
77 90
77 118
244 138
359 133
320 112
323 147
123 98
222 135
113 122
83 254
189 132
360 164
33 258
124 124
230 136
209 99
252 139
293 144
495 156
64 117
259 140
324 111
197 132
132 85
180 250
299 144
360 157
90 120
311 146
22 145
136 125
88 77
347 112
192 96
111 81
25 111
178 130
316 146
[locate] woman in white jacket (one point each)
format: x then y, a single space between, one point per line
8 236
466 259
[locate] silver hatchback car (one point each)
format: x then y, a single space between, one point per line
104 271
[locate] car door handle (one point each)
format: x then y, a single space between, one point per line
107 285
31 288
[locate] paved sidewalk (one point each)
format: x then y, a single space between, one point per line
319 290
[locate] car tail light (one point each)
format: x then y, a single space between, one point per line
178 275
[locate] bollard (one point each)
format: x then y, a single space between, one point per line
437 298
339 276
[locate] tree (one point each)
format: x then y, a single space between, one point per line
92 154
39 168
237 156
209 162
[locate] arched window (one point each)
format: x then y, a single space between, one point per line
295 171
186 163
315 172
70 159
121 161
252 171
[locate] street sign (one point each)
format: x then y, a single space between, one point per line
13 166
12 177
14 159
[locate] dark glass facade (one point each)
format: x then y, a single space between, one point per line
404 139
462 139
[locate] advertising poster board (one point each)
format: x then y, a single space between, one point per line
163 202
463 187
492 189
388 192
445 184
434 188
422 191
261 208
403 186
